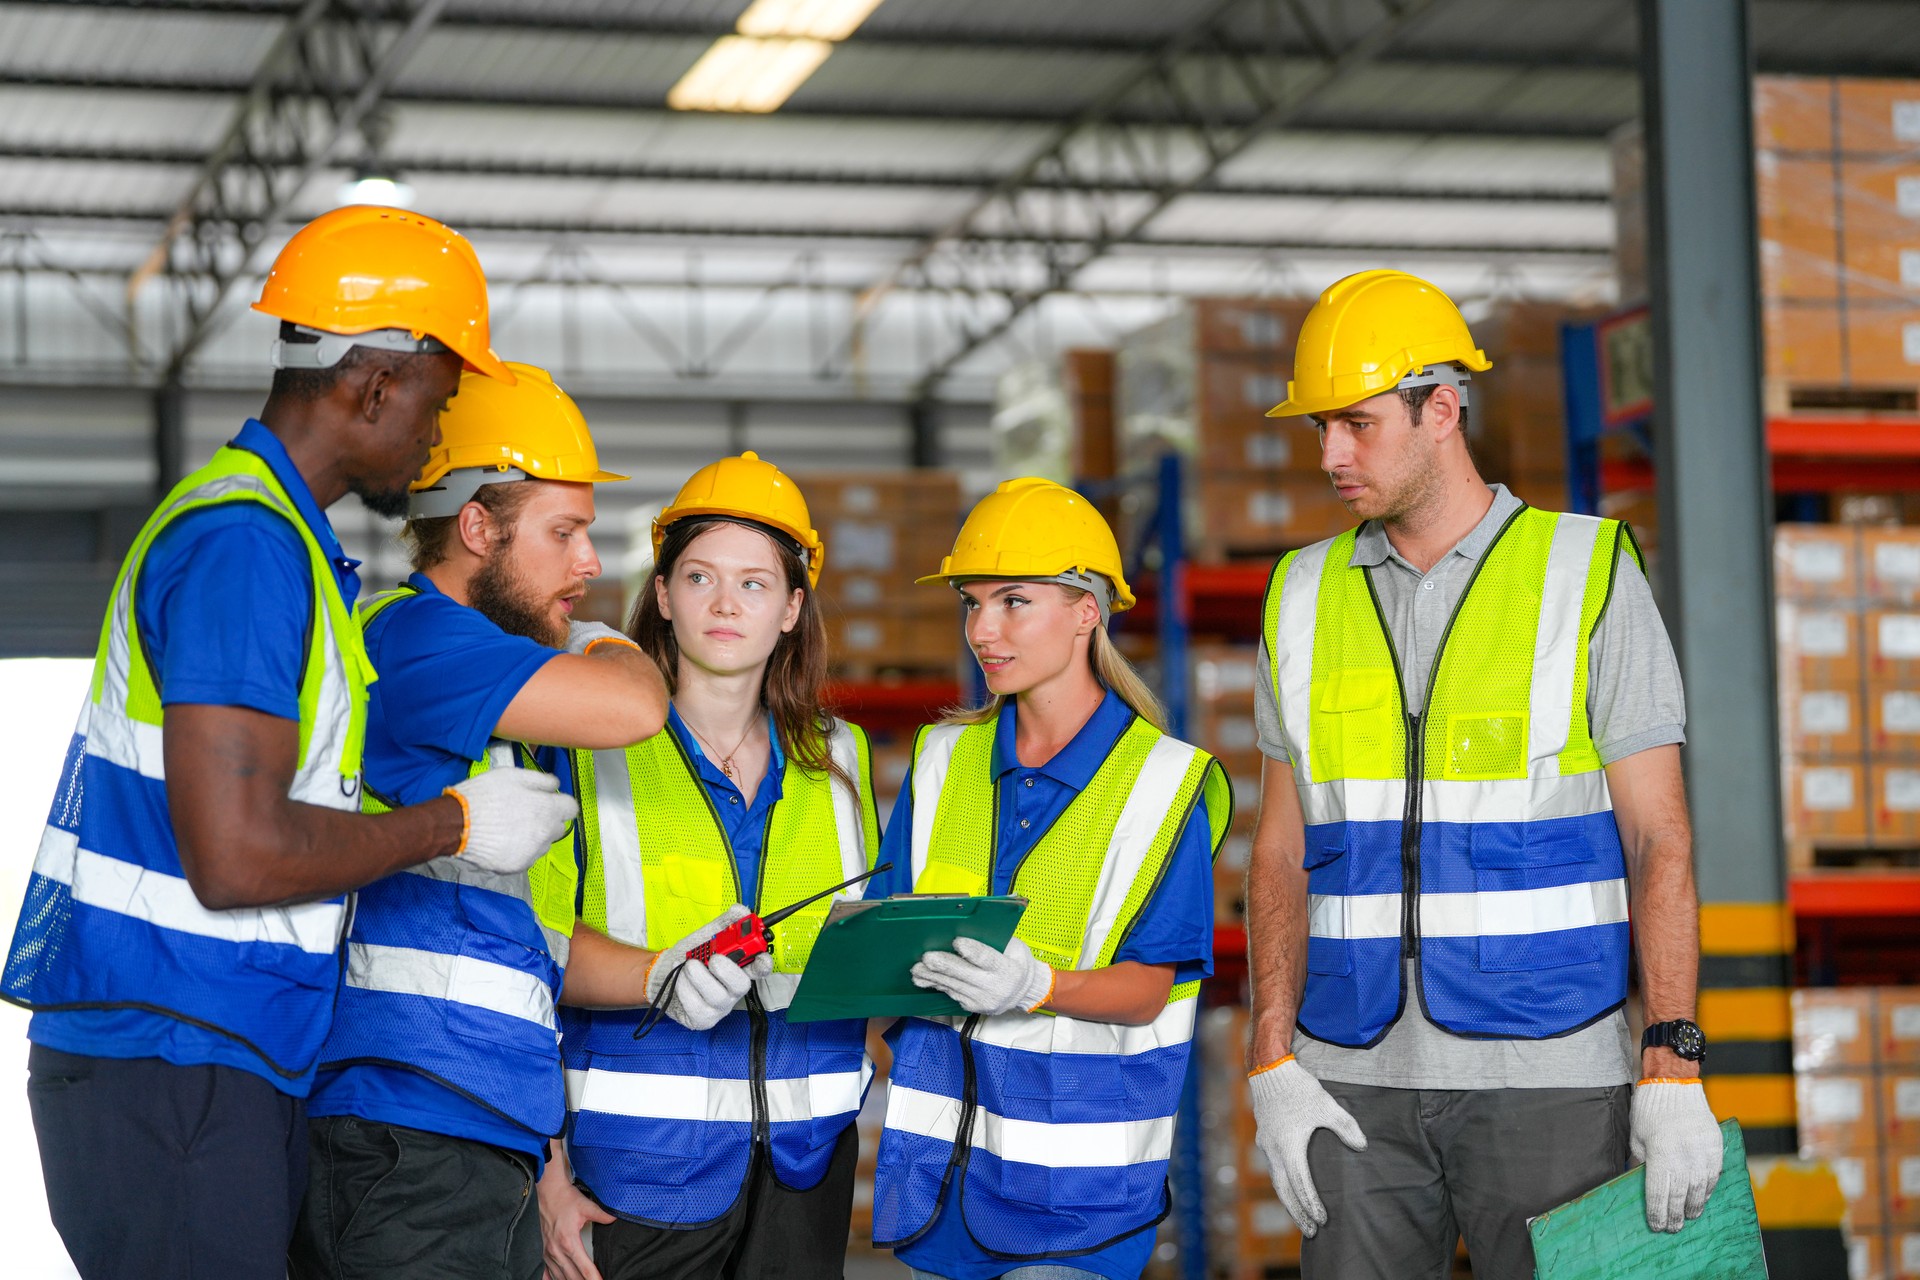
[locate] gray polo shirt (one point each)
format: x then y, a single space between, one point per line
1634 702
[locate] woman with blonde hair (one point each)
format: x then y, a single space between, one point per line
711 1137
1029 1135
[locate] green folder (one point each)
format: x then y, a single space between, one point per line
1603 1234
861 962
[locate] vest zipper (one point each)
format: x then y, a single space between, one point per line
969 1099
757 1067
1410 840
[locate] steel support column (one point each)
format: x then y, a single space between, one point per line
923 424
169 436
1715 561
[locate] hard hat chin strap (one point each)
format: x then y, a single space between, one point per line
456 489
1438 375
329 349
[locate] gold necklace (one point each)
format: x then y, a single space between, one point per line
726 761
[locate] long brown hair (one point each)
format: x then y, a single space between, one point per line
793 687
1110 668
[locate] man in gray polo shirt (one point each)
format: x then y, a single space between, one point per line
1439 971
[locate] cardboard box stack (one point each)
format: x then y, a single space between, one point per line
1838 183
1223 685
1856 1061
1848 644
1249 1230
1200 383
1516 411
883 529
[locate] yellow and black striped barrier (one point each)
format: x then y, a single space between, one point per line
1746 957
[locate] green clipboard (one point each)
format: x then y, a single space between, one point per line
861 962
1603 1234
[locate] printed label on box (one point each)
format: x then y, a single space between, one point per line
1825 712
1271 508
1818 561
1857 1259
1909 1249
1900 791
864 592
1276 450
1900 632
863 636
1263 390
1851 1173
1906 1099
1910 333
1834 1100
1823 634
1906 121
860 499
1906 195
1898 561
1827 790
1235 733
1906 1176
1905 1022
1900 711
1823 1022
1910 268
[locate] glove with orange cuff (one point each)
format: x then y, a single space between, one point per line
1288 1106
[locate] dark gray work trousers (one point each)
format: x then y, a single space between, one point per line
1442 1164
386 1201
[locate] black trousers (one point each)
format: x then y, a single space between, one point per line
772 1232
161 1172
1441 1164
384 1201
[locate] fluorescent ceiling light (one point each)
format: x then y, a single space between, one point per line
743 73
374 189
812 19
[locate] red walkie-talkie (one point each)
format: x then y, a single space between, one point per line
743 940
752 935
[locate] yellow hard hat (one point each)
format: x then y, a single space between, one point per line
1036 529
369 270
1370 333
494 433
746 488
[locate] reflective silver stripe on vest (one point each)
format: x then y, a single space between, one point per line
1099 1145
479 984
1556 645
1488 913
1146 809
1292 653
1172 1026
169 902
679 1097
1496 800
928 779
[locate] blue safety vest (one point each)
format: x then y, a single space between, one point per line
1060 1128
455 972
663 1128
110 922
1501 872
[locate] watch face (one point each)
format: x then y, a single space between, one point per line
1687 1040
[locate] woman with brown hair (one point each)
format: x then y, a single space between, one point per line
711 1137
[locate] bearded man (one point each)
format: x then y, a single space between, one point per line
441 1083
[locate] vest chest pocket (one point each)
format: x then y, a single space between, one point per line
1356 731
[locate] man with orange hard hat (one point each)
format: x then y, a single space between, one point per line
1471 718
180 943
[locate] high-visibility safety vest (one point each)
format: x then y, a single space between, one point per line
662 1129
454 972
1501 872
110 922
1060 1128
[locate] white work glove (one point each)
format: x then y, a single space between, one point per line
706 992
1288 1105
582 636
1674 1132
983 980
513 817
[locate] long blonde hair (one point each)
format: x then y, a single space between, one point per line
1110 668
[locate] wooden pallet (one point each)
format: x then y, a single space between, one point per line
1850 855
1783 398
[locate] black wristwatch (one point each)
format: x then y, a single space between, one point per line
1683 1037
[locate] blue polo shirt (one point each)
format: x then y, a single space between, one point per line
447 673
223 604
1175 927
744 823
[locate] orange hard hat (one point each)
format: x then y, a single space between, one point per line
366 268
